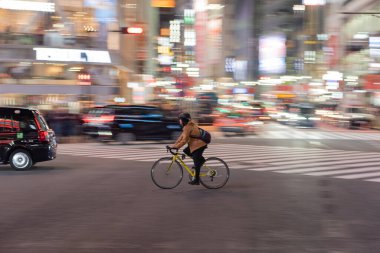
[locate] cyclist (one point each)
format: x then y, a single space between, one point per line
196 146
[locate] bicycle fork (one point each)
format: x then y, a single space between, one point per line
168 169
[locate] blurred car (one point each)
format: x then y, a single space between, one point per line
299 115
125 123
259 111
236 123
25 138
351 117
206 105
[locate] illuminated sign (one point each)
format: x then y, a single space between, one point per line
229 65
72 55
165 59
163 3
272 52
241 70
175 30
374 46
189 17
332 85
27 6
132 30
298 7
165 32
189 37
240 91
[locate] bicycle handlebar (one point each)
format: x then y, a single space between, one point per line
170 150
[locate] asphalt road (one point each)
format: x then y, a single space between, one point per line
80 203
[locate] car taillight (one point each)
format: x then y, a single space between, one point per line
101 119
107 118
87 119
43 135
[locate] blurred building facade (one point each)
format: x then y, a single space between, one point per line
353 47
71 52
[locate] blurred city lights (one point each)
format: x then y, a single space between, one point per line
27 5
314 2
299 7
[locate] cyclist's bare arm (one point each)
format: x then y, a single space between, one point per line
184 138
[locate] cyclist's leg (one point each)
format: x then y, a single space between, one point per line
187 151
198 159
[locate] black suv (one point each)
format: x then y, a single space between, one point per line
25 138
128 123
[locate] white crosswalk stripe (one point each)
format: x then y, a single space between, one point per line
286 132
302 161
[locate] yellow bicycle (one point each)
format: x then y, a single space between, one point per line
167 172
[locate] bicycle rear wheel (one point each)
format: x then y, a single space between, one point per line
166 173
214 173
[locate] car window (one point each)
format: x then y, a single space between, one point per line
41 121
17 120
8 125
26 119
153 113
100 111
134 112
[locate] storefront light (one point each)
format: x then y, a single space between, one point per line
314 2
182 65
299 7
361 36
249 83
27 6
270 82
333 76
229 84
174 90
351 78
193 74
119 100
207 87
200 5
132 85
374 65
215 7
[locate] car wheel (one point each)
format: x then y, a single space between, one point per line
175 135
20 160
125 138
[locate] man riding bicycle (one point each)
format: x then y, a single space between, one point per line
191 135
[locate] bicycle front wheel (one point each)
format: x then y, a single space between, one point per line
166 173
214 173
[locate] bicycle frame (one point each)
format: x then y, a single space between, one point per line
177 157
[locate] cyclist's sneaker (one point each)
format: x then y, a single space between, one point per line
194 182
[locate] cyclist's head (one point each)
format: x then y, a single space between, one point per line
185 118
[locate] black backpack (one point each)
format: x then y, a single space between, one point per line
205 135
